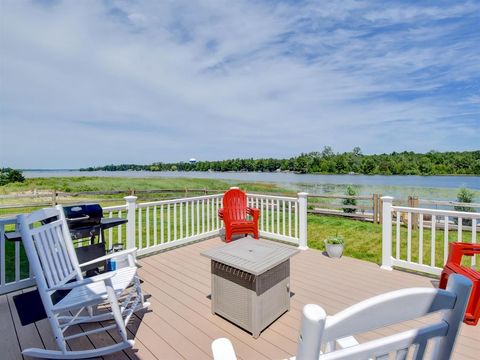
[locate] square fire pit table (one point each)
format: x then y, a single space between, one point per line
251 282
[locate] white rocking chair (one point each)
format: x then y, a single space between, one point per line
54 263
330 332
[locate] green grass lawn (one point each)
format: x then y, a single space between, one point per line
75 184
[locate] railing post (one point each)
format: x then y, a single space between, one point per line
302 220
387 232
131 211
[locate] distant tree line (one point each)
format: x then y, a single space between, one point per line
329 162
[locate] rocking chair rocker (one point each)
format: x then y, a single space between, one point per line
53 261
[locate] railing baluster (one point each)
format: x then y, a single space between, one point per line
180 207
147 222
397 238
432 254
174 221
110 231
168 223
208 214
155 236
445 239
460 229
186 218
198 217
283 214
216 212
193 218
17 260
272 209
203 216
119 231
409 236
290 218
263 214
278 216
420 240
140 228
296 219
474 239
267 215
162 228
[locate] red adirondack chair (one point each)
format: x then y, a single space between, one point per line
237 216
454 266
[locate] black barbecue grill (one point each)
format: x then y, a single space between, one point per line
85 221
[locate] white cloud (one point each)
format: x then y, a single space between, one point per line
148 81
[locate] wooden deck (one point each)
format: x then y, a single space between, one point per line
180 324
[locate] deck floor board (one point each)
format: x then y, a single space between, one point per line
179 324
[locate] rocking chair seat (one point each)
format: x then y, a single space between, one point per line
96 292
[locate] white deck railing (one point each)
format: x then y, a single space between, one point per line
158 225
280 217
14 270
417 239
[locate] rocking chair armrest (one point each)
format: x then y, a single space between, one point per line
220 213
109 256
254 212
90 280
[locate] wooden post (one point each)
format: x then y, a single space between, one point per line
387 232
375 209
380 208
54 197
413 203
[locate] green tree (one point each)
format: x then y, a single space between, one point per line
350 191
465 196
9 175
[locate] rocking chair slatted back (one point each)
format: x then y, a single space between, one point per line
235 205
414 303
50 249
318 329
53 253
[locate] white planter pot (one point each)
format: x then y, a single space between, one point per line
334 250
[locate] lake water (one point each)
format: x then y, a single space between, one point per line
431 187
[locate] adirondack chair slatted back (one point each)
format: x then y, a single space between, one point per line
235 205
319 330
49 248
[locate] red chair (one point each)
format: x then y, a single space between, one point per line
453 266
237 216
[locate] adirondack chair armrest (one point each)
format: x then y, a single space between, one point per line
253 212
111 256
222 349
220 213
90 280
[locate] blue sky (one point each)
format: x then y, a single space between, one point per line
96 82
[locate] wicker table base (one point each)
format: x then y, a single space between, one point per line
256 298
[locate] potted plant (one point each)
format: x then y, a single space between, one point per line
334 245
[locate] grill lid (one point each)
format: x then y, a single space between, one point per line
83 215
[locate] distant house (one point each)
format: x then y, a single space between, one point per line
192 161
